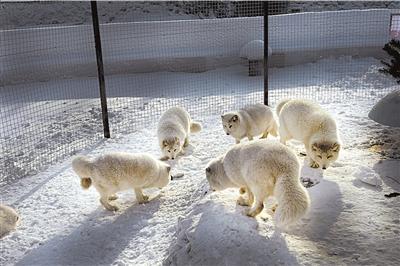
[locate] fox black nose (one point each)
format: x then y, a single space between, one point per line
323 167
172 158
227 133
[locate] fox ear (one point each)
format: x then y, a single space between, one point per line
177 140
314 147
336 147
164 143
235 118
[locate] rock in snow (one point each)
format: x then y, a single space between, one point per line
254 50
368 176
387 110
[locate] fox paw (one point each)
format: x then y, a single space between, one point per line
164 158
112 208
113 197
145 199
314 164
251 213
242 201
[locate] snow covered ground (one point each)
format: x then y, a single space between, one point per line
63 116
350 222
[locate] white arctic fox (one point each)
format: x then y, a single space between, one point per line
264 168
250 121
8 220
173 131
113 172
306 121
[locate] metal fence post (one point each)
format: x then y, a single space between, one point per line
100 69
265 52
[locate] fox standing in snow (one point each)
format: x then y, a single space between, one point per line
173 131
250 121
113 172
264 168
306 121
8 220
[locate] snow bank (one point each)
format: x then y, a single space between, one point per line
387 110
143 46
254 50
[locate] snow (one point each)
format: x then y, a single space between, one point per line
254 50
349 222
384 112
367 175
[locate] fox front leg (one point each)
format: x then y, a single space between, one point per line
242 201
312 163
140 197
186 143
264 135
104 200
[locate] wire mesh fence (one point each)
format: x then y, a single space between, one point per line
179 62
206 56
46 112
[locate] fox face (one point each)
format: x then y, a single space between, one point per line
164 176
324 153
171 147
215 174
230 122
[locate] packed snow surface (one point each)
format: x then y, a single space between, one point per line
349 222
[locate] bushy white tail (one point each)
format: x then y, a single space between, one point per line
83 167
280 106
195 127
293 201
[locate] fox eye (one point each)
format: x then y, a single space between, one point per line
169 150
330 156
175 150
319 156
230 126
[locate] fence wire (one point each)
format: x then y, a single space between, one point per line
46 111
162 54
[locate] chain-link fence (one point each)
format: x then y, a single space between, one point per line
206 56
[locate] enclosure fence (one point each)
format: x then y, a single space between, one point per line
206 56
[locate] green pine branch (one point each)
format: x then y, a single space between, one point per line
392 48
